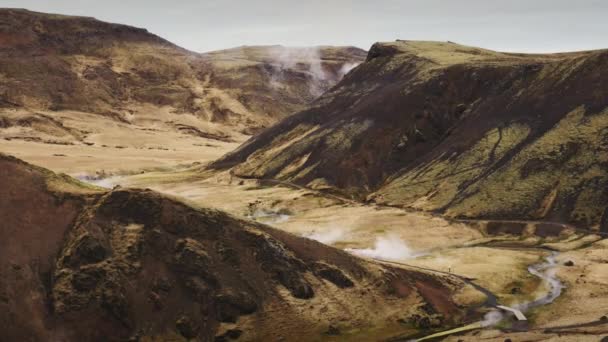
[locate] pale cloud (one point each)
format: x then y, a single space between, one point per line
515 25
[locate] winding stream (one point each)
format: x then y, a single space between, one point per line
545 271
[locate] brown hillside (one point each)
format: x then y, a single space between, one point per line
84 264
54 62
450 128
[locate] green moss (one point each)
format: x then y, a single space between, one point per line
559 169
434 185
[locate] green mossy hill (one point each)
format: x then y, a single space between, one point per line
454 129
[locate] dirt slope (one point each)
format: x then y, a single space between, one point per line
81 263
456 129
54 62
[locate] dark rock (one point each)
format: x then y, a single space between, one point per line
426 322
604 318
88 250
156 300
133 206
293 281
186 328
460 109
271 252
234 333
428 308
276 259
199 288
190 257
569 263
510 228
158 240
604 222
162 284
379 50
515 290
114 302
229 306
227 254
332 330
334 275
230 334
87 279
421 322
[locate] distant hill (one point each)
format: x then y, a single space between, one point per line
56 62
454 129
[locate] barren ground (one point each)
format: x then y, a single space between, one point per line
86 144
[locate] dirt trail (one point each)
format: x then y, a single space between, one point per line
355 202
535 222
318 192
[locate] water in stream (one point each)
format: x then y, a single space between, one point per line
268 216
103 182
546 272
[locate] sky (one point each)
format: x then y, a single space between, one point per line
505 25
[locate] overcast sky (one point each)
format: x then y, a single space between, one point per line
506 25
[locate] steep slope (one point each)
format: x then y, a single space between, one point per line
54 62
455 129
79 263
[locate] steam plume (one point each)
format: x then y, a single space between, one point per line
327 237
389 247
492 318
307 60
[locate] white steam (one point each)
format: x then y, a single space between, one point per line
328 237
302 59
390 247
305 60
346 68
492 318
100 180
269 217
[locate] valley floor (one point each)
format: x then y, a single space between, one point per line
497 263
